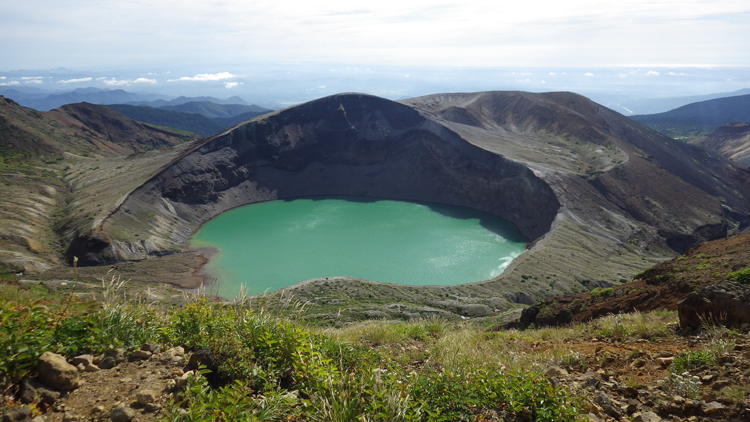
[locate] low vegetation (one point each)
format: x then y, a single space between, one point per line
272 368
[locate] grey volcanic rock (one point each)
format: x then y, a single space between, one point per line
726 303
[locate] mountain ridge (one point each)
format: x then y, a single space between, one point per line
573 176
699 118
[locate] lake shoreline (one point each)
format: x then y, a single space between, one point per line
199 271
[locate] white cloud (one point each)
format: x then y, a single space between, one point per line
74 81
230 85
11 83
3 77
115 82
203 77
652 73
144 81
101 78
32 79
588 74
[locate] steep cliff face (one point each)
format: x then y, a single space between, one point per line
340 145
731 140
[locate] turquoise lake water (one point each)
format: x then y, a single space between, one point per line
271 245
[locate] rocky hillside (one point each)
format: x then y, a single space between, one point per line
731 140
50 164
657 288
599 196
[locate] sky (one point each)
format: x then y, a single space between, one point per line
116 33
236 44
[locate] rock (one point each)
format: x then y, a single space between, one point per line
144 397
591 379
707 379
555 371
665 362
55 372
140 355
726 303
182 380
175 351
17 415
117 354
638 363
121 413
151 407
646 417
712 408
593 418
70 417
107 363
718 385
150 346
92 368
202 357
84 360
605 403
33 391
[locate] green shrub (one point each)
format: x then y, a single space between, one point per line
603 293
741 276
691 358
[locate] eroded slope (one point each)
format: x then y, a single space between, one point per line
64 169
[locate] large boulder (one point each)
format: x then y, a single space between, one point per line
726 303
55 372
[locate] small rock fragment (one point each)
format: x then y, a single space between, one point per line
107 363
665 362
646 417
70 417
150 346
140 355
145 397
712 408
92 368
17 415
555 371
33 391
121 413
82 360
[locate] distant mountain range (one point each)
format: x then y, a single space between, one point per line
46 102
661 105
202 117
699 118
